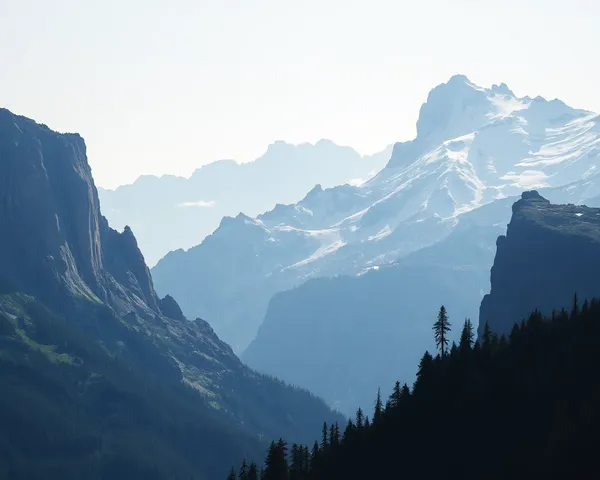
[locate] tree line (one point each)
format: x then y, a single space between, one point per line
524 405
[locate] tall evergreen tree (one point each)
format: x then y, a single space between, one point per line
232 475
395 396
378 413
360 418
324 441
253 472
276 466
441 328
575 307
467 336
243 471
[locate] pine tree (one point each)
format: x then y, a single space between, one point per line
315 459
467 336
232 475
347 432
378 413
296 462
425 366
243 471
585 308
441 328
487 338
575 307
276 466
359 418
395 396
332 439
324 442
252 472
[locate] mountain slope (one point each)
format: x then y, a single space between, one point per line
549 253
103 378
175 212
345 337
473 145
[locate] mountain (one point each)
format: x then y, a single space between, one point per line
549 253
101 377
172 212
473 146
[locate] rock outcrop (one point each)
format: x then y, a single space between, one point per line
77 292
549 253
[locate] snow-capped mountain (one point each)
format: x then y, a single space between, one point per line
172 212
473 145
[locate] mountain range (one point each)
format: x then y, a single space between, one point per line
439 203
170 212
101 377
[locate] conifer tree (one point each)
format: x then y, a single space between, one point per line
441 328
487 338
332 440
324 442
276 466
378 413
575 307
253 472
232 475
585 307
395 396
359 418
347 432
425 366
467 336
243 471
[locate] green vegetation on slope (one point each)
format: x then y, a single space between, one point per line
73 408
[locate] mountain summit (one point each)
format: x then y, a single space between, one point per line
473 146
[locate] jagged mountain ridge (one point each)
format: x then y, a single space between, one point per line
82 330
473 145
171 212
549 253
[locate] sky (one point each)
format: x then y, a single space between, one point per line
160 87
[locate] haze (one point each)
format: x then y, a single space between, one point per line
163 87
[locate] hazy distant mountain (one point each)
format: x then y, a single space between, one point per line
473 145
101 378
169 212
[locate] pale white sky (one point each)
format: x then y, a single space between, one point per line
165 86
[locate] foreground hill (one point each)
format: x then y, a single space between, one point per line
100 377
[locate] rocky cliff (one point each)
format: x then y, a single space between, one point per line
83 332
549 253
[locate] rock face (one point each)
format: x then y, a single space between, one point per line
53 231
76 292
549 253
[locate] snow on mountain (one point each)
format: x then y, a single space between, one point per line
473 145
176 212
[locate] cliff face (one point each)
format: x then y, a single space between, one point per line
53 232
78 293
549 253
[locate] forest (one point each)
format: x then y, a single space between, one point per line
522 406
